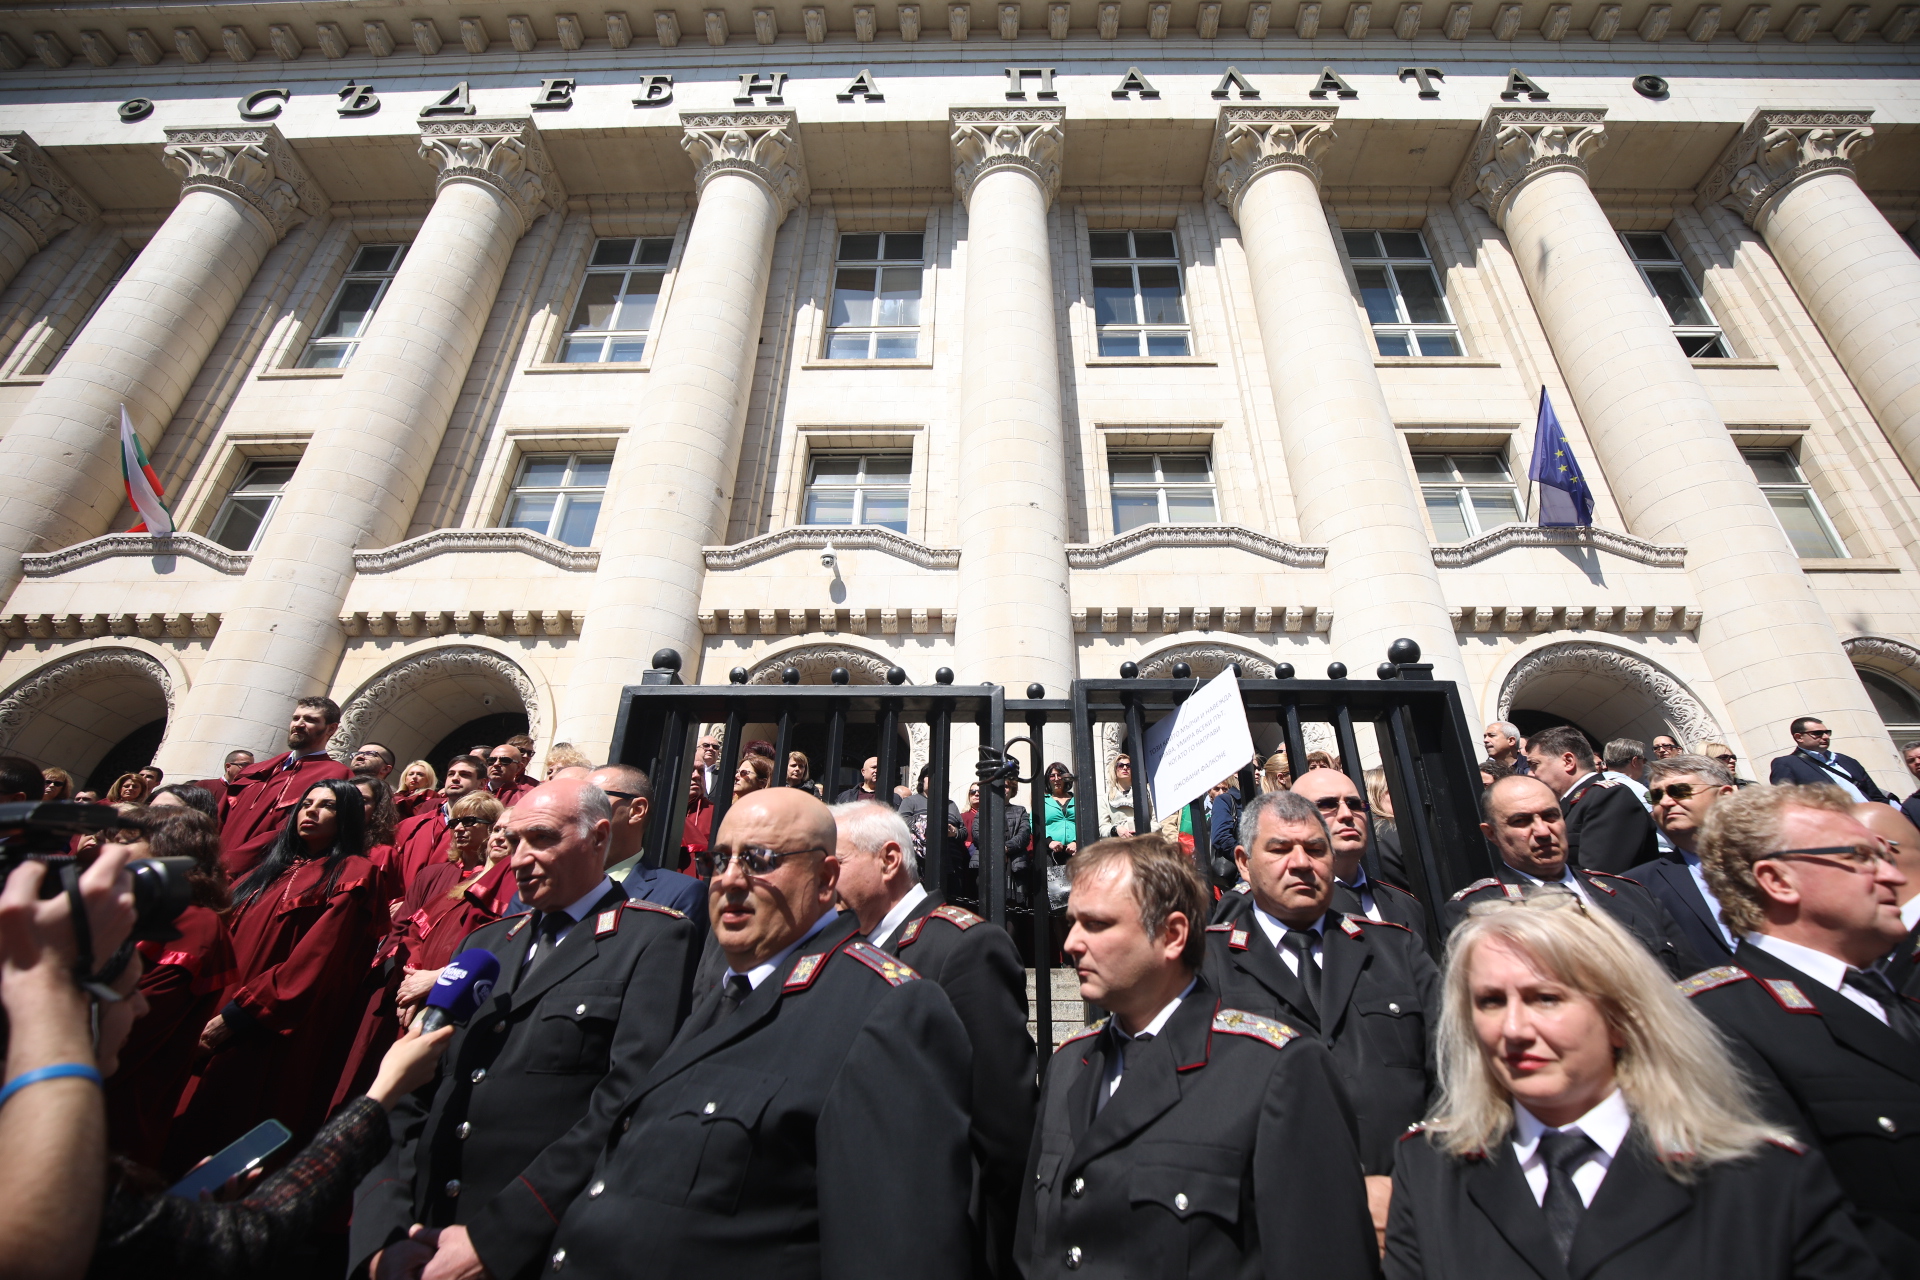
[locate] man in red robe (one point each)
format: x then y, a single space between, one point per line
263 797
422 840
227 785
506 770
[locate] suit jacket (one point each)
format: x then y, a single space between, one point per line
1608 829
1380 1001
1697 914
979 968
1839 1077
508 1132
259 803
1628 902
820 1130
1228 1151
1799 768
685 894
1775 1216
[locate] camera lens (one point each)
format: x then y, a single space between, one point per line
161 891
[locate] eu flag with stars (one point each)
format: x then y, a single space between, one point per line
1565 500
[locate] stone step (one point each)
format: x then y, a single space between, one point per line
1069 1010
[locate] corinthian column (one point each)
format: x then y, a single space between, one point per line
1672 467
673 477
1790 175
1015 625
362 472
243 189
1345 460
37 203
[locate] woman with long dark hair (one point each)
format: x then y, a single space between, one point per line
305 925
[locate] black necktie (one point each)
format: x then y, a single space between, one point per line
1300 942
1563 1151
545 938
1121 1043
1902 1017
734 988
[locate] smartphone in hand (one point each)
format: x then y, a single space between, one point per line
238 1156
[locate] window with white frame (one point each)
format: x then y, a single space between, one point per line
1402 294
859 488
1138 309
618 299
371 272
73 335
1466 494
251 503
877 279
559 495
1795 504
1161 488
1667 279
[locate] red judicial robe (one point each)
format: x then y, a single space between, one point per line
411 804
264 796
507 795
183 983
302 953
419 843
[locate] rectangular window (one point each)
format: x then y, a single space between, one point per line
859 488
1667 279
559 495
1467 494
238 523
875 313
353 306
1138 308
1162 488
1402 294
1795 504
617 301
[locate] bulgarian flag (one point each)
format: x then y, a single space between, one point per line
143 486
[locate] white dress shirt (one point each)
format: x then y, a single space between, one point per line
1117 1067
576 912
761 972
1276 929
1363 890
1606 1125
893 919
1568 881
1698 871
1831 767
1910 912
1818 966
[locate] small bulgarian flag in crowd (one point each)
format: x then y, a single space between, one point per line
143 486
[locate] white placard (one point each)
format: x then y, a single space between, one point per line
1206 740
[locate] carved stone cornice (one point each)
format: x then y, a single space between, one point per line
1683 713
1250 141
763 145
1515 143
490 541
1187 537
1656 555
987 138
390 693
1885 653
816 537
35 194
50 685
1776 150
504 154
188 546
252 163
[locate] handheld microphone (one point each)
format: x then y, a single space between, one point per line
463 986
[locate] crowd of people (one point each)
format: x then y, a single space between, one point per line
1676 1031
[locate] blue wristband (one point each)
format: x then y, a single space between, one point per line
58 1071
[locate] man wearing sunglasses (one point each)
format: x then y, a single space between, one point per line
1813 762
810 1119
1350 828
505 765
631 793
1807 1004
1682 788
1607 829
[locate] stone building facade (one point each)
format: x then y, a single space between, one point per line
484 351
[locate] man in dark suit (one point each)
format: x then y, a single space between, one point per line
631 792
1903 840
1524 823
1367 989
811 1118
1910 756
1182 1136
1811 763
979 968
1806 1002
1607 827
592 987
1682 789
1349 826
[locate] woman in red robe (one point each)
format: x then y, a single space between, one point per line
305 925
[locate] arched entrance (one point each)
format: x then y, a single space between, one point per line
1607 692
415 704
816 663
1890 670
77 710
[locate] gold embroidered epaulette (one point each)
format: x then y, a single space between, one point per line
1789 996
896 973
805 970
606 922
641 904
1238 1022
1093 1030
912 930
959 917
519 923
1478 885
1708 979
1223 927
1351 929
